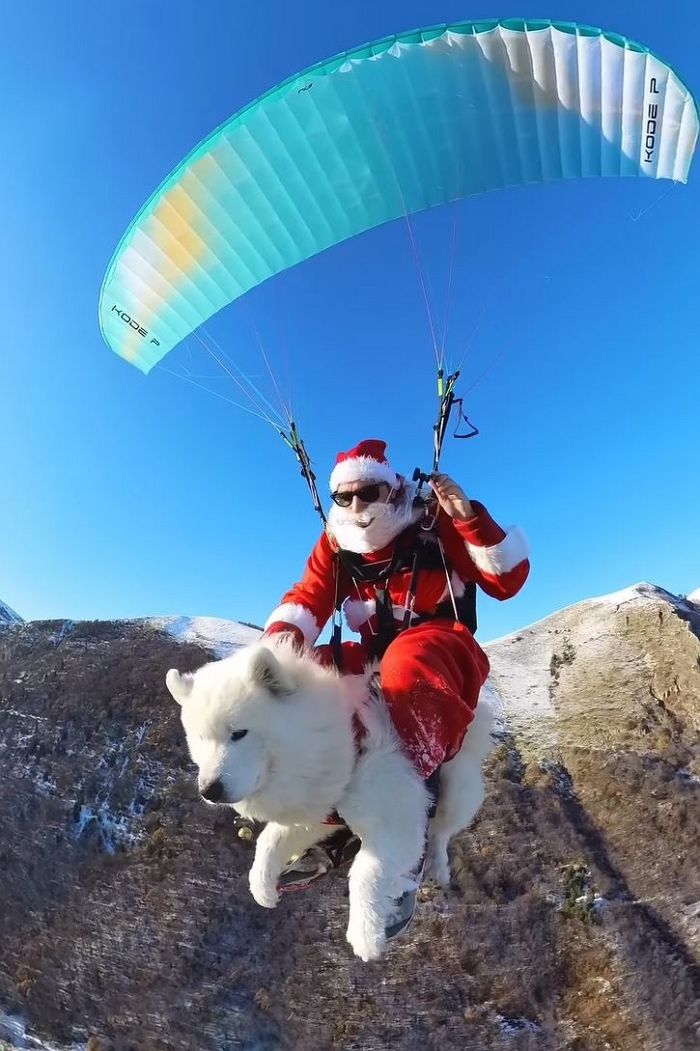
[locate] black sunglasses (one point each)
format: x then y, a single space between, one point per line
367 495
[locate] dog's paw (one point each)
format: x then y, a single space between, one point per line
263 890
367 938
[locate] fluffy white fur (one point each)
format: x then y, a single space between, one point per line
501 558
300 617
361 469
297 762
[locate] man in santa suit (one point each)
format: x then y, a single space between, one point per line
407 614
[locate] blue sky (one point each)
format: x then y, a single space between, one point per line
129 496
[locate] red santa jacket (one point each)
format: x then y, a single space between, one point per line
477 550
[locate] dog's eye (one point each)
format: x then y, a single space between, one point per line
237 734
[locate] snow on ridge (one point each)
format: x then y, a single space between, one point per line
694 597
222 637
643 591
523 663
8 615
519 678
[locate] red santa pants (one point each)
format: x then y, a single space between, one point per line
431 676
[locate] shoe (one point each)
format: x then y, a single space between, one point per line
332 853
405 905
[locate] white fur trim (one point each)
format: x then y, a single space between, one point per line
358 611
361 469
299 617
501 558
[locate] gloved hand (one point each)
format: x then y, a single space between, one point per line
279 630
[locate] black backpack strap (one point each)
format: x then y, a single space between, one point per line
421 549
464 605
386 625
337 630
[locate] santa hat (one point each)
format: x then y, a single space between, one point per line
365 463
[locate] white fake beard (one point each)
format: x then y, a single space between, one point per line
377 525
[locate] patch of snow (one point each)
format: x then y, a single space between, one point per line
489 694
599 903
641 592
529 666
46 786
8 615
616 598
65 629
112 829
84 818
222 637
520 675
13 1034
694 597
513 1026
118 826
24 715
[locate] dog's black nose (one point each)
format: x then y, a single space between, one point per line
213 792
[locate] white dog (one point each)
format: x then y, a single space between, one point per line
272 733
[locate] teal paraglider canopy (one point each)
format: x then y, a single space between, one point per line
383 131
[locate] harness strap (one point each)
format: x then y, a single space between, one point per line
386 625
337 632
422 550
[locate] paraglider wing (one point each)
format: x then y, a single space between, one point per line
386 130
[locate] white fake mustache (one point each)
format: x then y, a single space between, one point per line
376 525
364 518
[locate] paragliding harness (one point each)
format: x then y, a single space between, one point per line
418 549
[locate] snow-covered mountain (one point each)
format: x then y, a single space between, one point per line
8 616
565 680
220 637
694 597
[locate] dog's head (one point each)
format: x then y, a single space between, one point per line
230 712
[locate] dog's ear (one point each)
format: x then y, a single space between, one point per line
266 671
179 685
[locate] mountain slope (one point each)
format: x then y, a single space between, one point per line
8 616
571 923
